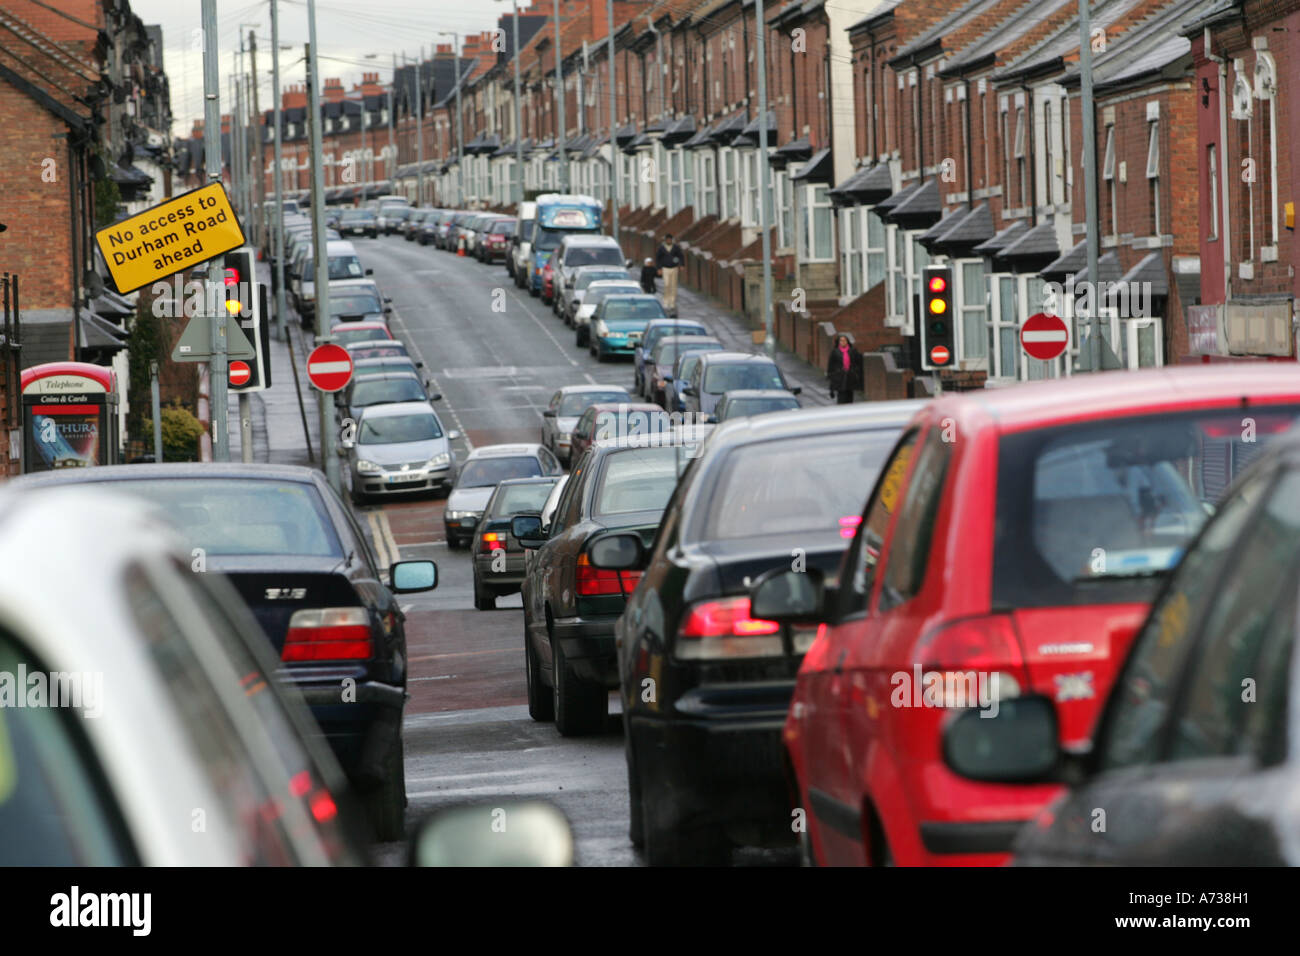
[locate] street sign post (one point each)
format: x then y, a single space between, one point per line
1044 336
178 234
329 367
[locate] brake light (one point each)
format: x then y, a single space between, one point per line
598 582
849 525
328 634
723 628
493 541
980 656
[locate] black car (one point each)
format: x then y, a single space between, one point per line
294 552
383 388
705 686
358 222
499 563
1193 762
570 606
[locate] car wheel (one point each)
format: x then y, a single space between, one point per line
385 805
541 702
577 337
484 600
580 707
533 292
668 842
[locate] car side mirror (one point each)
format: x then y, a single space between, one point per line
387 299
548 413
436 396
617 551
797 390
628 264
454 434
347 444
388 309
690 390
419 365
497 833
1003 741
527 528
370 272
405 577
789 597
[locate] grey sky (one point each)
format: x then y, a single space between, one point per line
346 30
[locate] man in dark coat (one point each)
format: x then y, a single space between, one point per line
669 259
844 370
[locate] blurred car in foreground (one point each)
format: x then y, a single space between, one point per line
498 555
1011 548
566 407
289 546
753 401
399 448
570 606
484 468
175 676
704 755
1193 761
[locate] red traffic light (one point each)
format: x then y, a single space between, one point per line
938 284
232 276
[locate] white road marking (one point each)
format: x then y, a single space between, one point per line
387 529
377 539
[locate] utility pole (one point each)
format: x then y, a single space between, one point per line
769 337
321 273
277 179
559 93
460 128
218 366
391 168
519 130
419 123
1089 179
613 121
260 150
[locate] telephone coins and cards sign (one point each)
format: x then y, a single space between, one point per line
178 234
329 367
1044 336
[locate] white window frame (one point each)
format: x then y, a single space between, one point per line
1153 170
688 179
1108 175
661 184
810 210
674 181
749 189
783 190
965 358
851 257
895 272
708 177
870 252
1212 161
728 175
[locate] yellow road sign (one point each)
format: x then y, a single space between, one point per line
178 234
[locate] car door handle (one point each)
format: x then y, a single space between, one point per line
839 661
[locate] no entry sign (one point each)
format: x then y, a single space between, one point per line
1044 336
240 373
329 367
939 355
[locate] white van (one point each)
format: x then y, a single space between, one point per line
344 263
521 252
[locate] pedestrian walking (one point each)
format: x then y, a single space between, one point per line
649 271
669 258
844 371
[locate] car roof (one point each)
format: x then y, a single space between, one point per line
632 295
535 480
610 282
398 408
694 341
688 323
625 406
585 239
360 325
736 358
818 419
605 268
504 451
380 376
1058 401
340 245
679 435
571 389
175 470
758 393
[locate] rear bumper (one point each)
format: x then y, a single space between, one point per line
615 348
362 728
506 581
716 759
588 645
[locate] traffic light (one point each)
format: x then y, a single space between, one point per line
938 344
246 303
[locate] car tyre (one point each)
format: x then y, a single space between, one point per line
385 805
670 843
635 810
484 600
541 701
580 707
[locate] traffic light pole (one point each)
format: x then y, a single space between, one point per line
218 365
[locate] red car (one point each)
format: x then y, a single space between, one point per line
1014 542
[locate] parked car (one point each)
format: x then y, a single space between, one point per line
498 555
357 305
99 584
566 407
377 348
655 330
359 222
410 227
399 448
582 279
570 606
344 263
717 373
292 550
576 251
607 420
394 363
1011 548
391 216
619 323
671 364
495 241
431 226
383 388
1191 763
705 768
753 401
521 250
484 468
596 292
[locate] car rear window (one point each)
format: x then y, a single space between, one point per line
345 335
759 406
1097 512
346 267
239 516
593 256
639 479
578 402
489 471
795 486
388 390
633 309
586 280
514 499
727 378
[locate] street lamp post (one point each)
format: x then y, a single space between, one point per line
613 121
519 134
460 127
559 93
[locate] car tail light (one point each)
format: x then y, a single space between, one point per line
597 582
328 634
980 655
849 525
493 541
723 628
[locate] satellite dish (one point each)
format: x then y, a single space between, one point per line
94 283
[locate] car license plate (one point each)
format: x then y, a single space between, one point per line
396 479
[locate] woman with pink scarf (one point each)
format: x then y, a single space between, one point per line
844 370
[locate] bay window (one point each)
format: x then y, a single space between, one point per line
816 231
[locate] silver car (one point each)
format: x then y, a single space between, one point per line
595 293
566 407
483 469
399 448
